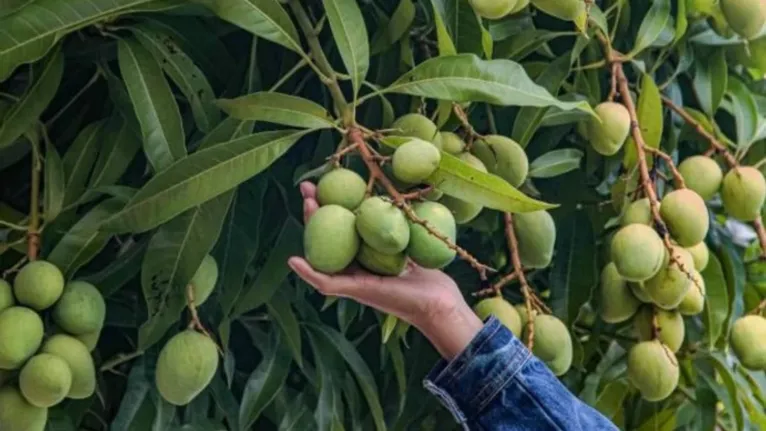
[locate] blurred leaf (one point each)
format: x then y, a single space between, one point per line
200 177
350 33
362 372
650 119
264 383
387 328
297 417
278 108
79 159
225 401
734 271
555 163
330 373
184 73
465 77
135 394
280 309
154 104
652 26
522 44
610 400
25 113
574 273
54 183
710 80
665 420
723 371
120 146
396 27
744 110
716 299
120 271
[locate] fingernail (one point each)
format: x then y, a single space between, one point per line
291 262
303 188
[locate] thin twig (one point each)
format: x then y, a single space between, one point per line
518 269
677 177
195 323
761 232
418 194
118 360
33 234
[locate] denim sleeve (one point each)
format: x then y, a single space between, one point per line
497 384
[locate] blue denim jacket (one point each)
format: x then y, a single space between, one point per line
497 384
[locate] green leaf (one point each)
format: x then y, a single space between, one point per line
387 328
120 271
282 312
200 177
263 18
710 80
650 119
154 104
734 272
524 43
723 370
175 252
264 383
184 73
443 38
25 113
610 400
652 26
350 33
54 183
395 28
330 371
120 146
31 32
467 78
716 299
745 111
79 159
278 108
555 163
665 420
362 372
463 24
136 392
84 241
574 273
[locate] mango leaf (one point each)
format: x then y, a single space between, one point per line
734 272
745 111
716 299
723 370
524 43
200 177
263 18
121 145
395 28
665 420
265 381
574 272
330 370
136 392
652 26
650 120
79 159
154 104
278 108
350 33
467 78
555 163
362 372
83 241
184 73
443 38
463 25
31 32
120 271
280 309
174 254
26 112
53 197
710 80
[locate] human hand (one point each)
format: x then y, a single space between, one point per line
426 298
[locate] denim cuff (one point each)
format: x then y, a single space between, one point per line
470 381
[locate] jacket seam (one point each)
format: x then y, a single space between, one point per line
541 407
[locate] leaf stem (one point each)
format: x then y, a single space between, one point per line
33 234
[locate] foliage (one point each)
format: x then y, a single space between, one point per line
139 136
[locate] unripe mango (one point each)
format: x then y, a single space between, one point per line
21 332
686 216
638 252
416 126
745 17
503 157
415 161
608 135
452 143
77 356
639 291
203 280
751 55
90 339
38 285
702 175
522 310
747 340
425 249
536 236
186 365
6 295
17 414
502 310
465 212
639 211
617 302
694 300
493 9
553 343
668 288
379 263
700 254
567 10
653 369
342 187
330 239
45 380
81 309
743 193
520 4
670 323
382 226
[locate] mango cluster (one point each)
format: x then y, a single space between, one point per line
552 340
38 371
189 360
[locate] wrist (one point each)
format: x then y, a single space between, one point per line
451 329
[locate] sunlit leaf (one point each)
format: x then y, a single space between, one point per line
652 26
555 163
350 32
278 108
710 81
650 120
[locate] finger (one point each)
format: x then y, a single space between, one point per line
351 285
308 190
310 206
